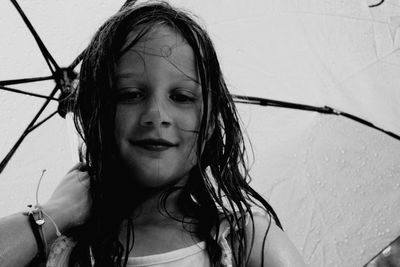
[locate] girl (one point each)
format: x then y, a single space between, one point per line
164 153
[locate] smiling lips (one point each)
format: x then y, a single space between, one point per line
154 144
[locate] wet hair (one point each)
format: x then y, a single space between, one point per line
223 191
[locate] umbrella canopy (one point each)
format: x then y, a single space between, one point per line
333 182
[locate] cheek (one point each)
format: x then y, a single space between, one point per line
189 151
123 122
186 120
188 126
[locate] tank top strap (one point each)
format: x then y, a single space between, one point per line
225 230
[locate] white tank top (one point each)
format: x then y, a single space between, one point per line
195 255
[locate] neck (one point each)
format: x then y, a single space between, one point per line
151 207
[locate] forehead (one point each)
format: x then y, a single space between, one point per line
160 42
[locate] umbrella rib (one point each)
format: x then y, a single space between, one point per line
325 110
9 155
26 93
41 122
275 103
377 4
46 54
26 80
367 123
77 60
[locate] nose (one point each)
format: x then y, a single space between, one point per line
155 114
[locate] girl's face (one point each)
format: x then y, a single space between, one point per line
159 108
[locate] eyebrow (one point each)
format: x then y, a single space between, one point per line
189 79
128 75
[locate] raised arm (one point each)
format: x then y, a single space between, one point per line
68 206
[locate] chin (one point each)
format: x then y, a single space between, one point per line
153 180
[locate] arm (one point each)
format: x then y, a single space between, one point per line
278 251
17 243
68 206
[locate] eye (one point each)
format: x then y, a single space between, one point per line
129 96
183 97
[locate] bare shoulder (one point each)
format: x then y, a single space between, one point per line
278 250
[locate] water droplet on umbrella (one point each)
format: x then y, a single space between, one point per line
387 251
326 158
387 230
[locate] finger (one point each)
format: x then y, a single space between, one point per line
77 166
83 167
84 179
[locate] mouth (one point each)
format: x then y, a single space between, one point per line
153 144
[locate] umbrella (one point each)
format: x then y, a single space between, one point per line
333 181
48 145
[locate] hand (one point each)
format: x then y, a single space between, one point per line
70 203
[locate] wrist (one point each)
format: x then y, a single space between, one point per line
60 217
